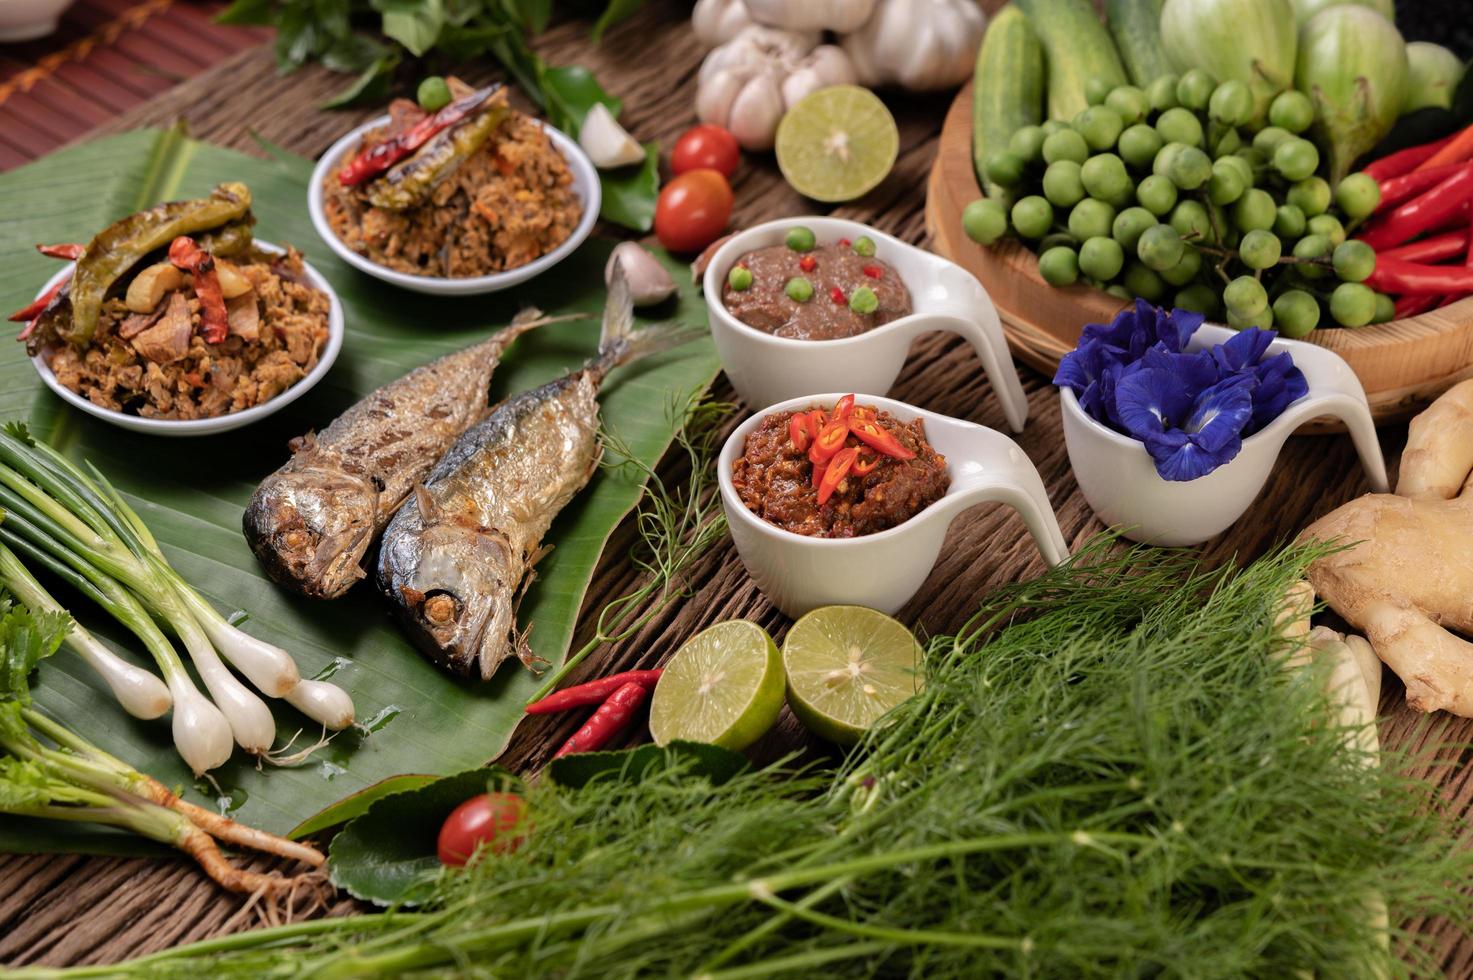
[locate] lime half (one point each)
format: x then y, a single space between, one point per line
847 666
724 686
837 143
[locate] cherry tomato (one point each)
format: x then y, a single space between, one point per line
706 147
693 210
485 819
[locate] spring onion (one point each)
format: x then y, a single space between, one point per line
78 525
49 772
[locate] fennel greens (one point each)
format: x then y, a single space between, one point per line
1109 772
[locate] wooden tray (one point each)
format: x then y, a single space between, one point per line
1403 365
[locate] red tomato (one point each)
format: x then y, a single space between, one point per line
706 147
485 819
693 210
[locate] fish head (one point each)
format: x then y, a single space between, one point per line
310 527
456 586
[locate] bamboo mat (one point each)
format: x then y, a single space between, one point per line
58 910
107 57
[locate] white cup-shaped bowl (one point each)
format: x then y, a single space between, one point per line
220 423
585 185
884 570
1121 484
944 298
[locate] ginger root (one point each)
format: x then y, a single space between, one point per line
1406 581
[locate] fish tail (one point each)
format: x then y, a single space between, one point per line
619 343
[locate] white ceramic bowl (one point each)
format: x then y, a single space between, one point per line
221 423
884 570
944 297
26 20
1121 484
585 185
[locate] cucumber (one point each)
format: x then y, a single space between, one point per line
1008 90
1136 27
1078 48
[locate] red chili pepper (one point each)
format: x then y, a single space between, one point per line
830 440
845 243
67 250
837 295
876 437
1407 186
594 692
1414 305
808 263
1404 161
185 253
818 470
873 271
1398 277
815 423
1433 249
1422 213
1458 149
865 463
838 468
844 407
798 431
381 156
34 308
611 718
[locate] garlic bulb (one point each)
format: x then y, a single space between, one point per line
748 83
840 16
649 281
607 143
718 21
920 45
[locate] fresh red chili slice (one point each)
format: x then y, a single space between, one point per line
818 470
845 243
837 295
844 407
872 435
838 468
816 420
873 271
808 263
830 440
865 463
798 432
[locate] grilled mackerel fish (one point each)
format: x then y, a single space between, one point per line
454 557
311 522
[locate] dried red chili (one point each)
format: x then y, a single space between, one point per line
66 250
186 254
33 309
610 719
830 440
381 156
594 692
834 474
873 435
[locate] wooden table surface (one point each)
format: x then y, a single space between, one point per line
66 910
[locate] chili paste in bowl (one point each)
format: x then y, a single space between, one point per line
806 291
854 471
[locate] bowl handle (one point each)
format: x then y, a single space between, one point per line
1002 473
1356 415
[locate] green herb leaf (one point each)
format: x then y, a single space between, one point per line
357 804
296 39
616 11
695 759
418 28
255 12
387 856
26 639
630 194
370 86
571 92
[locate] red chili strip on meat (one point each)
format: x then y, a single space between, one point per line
877 438
186 254
594 692
611 718
835 472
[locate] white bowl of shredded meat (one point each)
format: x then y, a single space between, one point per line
425 247
271 394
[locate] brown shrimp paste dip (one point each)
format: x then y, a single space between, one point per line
835 273
774 480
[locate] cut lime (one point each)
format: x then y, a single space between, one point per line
837 143
724 686
847 666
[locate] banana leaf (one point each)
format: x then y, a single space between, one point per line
191 492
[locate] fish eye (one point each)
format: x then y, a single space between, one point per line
440 608
296 539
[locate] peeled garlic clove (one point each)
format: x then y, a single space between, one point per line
607 143
649 281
